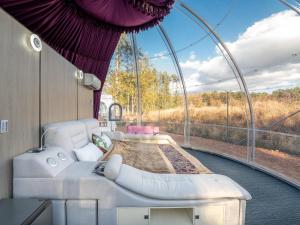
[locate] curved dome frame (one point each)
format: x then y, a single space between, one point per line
169 45
239 76
137 75
231 62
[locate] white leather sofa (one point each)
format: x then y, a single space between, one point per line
173 186
82 197
74 134
125 195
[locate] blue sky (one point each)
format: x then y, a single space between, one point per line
240 15
261 34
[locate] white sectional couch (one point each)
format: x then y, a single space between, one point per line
67 135
125 195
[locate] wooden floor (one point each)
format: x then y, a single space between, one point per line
274 202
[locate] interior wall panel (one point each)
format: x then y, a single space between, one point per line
35 89
19 96
58 88
85 102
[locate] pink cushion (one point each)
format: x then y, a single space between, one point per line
155 130
142 129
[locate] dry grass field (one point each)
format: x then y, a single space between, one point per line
276 114
266 113
209 121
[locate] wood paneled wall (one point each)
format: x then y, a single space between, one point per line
19 101
85 102
63 97
58 88
24 74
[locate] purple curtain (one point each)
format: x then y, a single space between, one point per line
86 32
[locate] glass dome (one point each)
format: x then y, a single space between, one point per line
152 111
220 76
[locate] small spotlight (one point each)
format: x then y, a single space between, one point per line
79 74
36 43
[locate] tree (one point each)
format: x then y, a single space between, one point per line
154 85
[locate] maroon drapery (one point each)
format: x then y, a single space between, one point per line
86 32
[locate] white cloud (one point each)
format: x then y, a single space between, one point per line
193 55
161 55
268 53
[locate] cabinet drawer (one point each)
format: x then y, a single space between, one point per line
209 215
81 212
133 216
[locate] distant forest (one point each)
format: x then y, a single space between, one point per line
155 85
162 97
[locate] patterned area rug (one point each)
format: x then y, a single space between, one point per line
157 158
180 163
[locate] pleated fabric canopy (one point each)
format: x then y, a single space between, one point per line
86 32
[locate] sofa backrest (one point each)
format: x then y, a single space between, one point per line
67 135
92 127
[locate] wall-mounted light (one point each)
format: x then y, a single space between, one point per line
36 43
79 74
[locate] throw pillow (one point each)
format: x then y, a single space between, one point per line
90 153
107 140
100 143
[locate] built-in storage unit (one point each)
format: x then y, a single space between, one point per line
155 216
80 212
210 215
202 215
222 213
75 212
133 216
171 216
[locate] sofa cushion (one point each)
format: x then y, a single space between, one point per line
99 142
67 135
113 166
107 141
92 127
89 153
135 129
179 186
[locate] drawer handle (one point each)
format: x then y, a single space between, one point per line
197 217
146 217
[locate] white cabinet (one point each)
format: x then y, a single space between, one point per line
133 216
155 216
209 215
171 216
222 213
81 212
